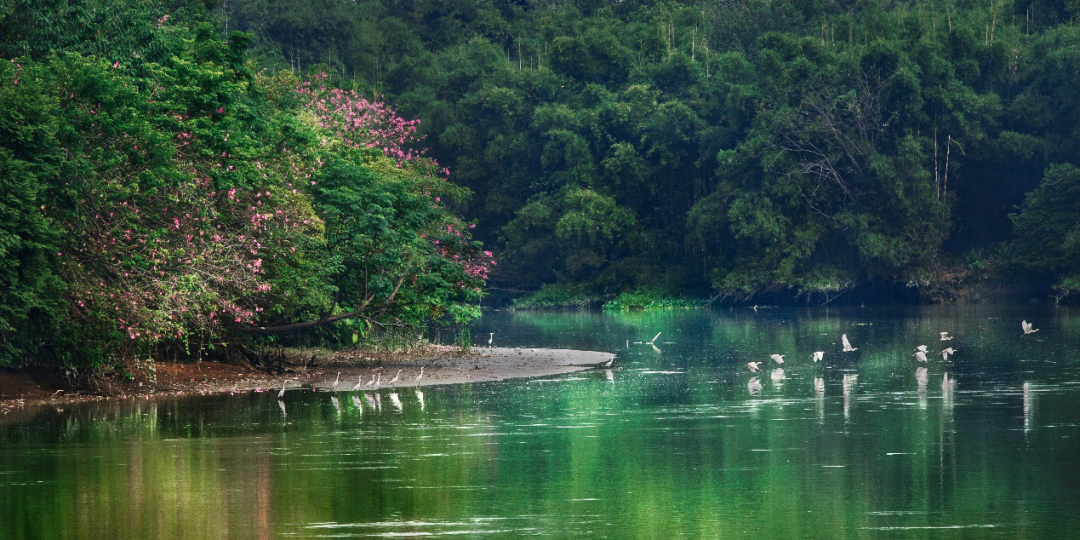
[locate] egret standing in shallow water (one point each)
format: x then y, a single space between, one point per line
281 394
394 380
369 383
607 364
491 339
1028 328
420 376
359 383
378 381
333 387
846 343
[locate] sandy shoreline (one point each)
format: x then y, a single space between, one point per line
441 366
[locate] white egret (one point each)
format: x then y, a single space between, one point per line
420 376
395 379
607 364
754 366
846 343
946 352
359 382
819 355
654 338
491 339
778 358
945 336
371 382
333 387
377 382
1027 328
281 394
921 348
920 356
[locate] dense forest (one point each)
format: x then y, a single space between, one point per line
729 149
188 174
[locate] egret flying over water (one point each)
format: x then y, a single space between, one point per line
819 355
333 387
754 366
778 358
945 336
846 343
1027 328
946 352
395 379
920 356
921 348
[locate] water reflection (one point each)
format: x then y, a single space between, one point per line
754 386
1029 407
656 456
922 377
848 388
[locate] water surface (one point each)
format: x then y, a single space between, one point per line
679 440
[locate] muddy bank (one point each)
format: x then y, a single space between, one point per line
441 365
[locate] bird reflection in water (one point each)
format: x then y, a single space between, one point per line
337 405
395 401
777 375
359 407
922 377
609 376
1029 407
420 398
754 386
281 405
819 389
848 386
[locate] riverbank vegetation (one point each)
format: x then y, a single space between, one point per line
189 178
166 198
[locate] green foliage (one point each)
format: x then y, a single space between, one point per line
181 203
1048 228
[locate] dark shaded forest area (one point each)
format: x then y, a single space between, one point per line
731 148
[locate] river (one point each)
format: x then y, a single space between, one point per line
678 440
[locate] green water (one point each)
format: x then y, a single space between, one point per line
677 441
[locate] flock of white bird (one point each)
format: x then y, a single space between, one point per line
373 384
920 351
